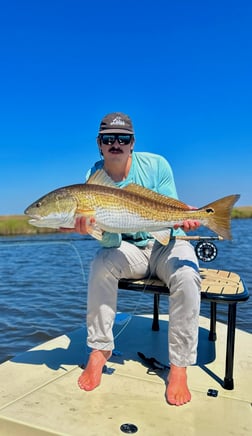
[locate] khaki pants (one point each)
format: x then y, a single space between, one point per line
176 264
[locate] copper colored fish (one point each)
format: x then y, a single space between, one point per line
125 210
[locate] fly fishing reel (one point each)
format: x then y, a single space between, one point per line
206 251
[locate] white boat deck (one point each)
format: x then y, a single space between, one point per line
39 394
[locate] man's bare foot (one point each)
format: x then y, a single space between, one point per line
91 376
177 392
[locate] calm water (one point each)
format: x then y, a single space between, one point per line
43 285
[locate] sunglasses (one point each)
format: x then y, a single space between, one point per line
111 139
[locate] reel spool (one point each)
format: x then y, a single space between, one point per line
206 251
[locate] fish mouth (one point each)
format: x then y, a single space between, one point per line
52 220
37 221
34 219
33 216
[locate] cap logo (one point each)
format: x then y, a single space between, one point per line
117 122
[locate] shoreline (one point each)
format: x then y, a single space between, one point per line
18 224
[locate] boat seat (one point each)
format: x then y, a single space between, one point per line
217 286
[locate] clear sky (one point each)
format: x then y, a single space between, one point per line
182 69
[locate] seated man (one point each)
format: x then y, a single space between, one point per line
136 256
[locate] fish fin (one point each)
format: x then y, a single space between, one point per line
220 215
85 212
162 236
92 228
95 231
154 196
100 177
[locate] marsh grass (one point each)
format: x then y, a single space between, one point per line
18 225
242 212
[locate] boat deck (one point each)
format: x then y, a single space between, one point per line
39 394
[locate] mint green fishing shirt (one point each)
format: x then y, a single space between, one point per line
151 171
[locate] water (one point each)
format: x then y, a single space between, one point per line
43 288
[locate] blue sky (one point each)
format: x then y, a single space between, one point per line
181 69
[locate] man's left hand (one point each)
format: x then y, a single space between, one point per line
188 225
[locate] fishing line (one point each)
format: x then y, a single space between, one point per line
135 309
70 243
123 325
77 252
12 252
206 257
134 312
50 242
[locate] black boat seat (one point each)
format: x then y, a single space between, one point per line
218 286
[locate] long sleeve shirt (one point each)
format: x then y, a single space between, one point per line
151 171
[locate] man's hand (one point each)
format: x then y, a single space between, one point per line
83 225
188 225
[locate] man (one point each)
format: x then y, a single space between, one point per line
138 255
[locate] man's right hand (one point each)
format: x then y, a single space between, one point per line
83 225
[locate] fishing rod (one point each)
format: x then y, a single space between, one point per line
205 249
200 238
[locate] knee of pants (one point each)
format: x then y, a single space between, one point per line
185 279
100 265
107 262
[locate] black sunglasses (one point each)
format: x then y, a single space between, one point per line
110 139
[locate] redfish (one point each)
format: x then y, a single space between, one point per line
125 210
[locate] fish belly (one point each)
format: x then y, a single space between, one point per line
124 221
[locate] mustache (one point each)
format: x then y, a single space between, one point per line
116 149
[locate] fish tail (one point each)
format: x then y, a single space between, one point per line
219 218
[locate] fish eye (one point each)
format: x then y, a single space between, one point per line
38 204
210 210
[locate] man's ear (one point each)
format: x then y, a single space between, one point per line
132 144
98 140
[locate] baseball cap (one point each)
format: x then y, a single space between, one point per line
116 122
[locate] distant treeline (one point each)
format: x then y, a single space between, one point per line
18 224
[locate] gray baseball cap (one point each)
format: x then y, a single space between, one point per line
116 122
